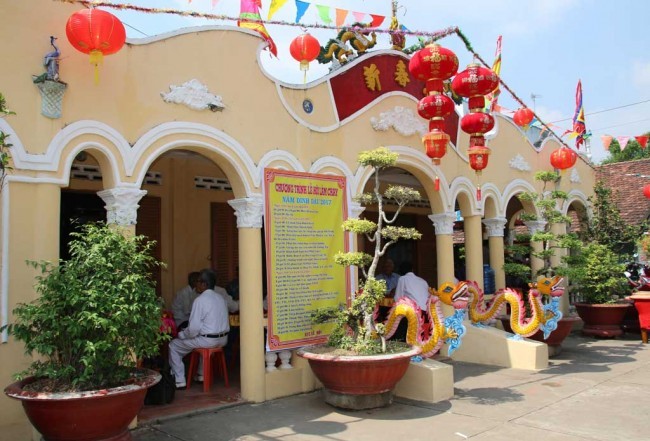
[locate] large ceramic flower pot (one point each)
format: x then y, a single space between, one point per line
555 339
85 416
642 304
602 320
361 381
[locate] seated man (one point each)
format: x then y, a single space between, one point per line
411 286
232 305
389 276
182 304
208 327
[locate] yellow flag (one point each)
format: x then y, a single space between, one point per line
275 5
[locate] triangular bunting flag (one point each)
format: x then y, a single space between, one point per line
607 140
358 16
275 6
623 140
301 8
324 13
214 3
250 10
377 20
642 140
341 14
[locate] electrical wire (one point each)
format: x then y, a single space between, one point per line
603 111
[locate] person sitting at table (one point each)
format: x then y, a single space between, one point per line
233 305
411 286
183 300
208 327
389 276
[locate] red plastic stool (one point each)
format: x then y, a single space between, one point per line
207 354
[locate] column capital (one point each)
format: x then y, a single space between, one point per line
122 204
249 211
443 222
495 226
535 226
356 209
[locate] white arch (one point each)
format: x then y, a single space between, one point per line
489 189
576 196
49 161
463 184
234 150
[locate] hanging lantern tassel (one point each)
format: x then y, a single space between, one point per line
96 58
478 193
436 183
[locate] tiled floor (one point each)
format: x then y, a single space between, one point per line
186 401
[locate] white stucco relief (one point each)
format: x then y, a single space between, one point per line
194 95
519 163
443 223
495 226
402 119
575 176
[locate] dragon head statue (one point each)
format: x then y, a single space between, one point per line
549 286
453 294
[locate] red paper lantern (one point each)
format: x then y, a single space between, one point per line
435 106
433 62
95 32
477 123
475 81
435 143
478 158
523 116
563 158
304 49
646 191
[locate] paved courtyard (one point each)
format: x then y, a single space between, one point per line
593 390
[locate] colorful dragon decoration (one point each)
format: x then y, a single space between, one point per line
337 49
543 315
430 329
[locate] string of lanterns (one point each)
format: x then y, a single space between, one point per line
98 33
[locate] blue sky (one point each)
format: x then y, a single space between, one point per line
547 46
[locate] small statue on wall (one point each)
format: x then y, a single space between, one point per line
51 63
49 85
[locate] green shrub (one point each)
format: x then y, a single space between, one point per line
96 313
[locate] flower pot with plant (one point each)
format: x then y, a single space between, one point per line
359 367
597 272
96 315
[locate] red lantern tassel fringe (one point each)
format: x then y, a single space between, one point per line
436 183
478 194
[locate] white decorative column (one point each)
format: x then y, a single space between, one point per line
356 209
474 249
249 212
495 229
444 229
122 205
536 264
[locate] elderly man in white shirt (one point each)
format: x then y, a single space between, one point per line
183 301
208 327
411 286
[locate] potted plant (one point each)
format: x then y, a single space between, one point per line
359 367
598 275
96 315
598 272
546 201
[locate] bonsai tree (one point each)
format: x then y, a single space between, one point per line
547 202
96 314
355 329
598 274
515 267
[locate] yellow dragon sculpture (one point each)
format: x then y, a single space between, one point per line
337 48
543 316
430 330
